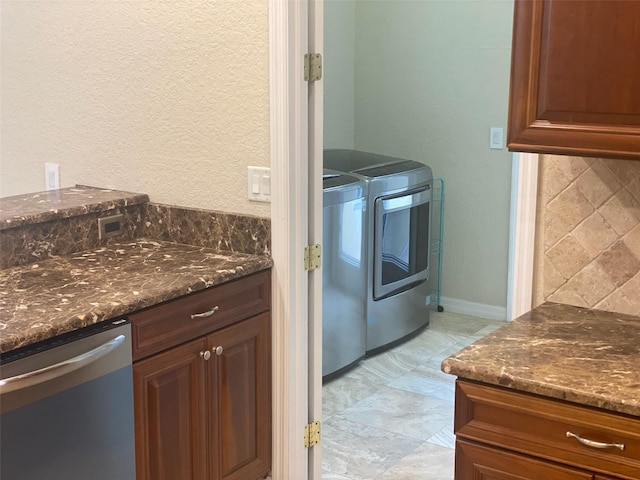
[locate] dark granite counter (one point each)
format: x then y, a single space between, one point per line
42 207
61 294
589 357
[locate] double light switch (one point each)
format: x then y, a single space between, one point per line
259 184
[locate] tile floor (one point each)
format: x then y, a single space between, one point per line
391 417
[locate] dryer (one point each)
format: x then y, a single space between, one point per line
397 242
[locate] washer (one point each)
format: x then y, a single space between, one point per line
344 272
397 242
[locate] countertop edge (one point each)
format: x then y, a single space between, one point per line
504 379
42 331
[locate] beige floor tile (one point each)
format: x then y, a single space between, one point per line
405 413
457 323
462 342
391 417
433 369
425 383
361 452
427 462
429 343
489 329
342 392
382 369
444 437
326 475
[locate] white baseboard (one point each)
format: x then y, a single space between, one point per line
491 312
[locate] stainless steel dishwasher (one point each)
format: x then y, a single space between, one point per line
67 407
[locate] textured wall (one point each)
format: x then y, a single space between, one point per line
588 233
164 98
432 77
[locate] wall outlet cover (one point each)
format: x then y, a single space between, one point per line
51 176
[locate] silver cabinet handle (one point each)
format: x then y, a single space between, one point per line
594 444
59 369
218 350
205 354
205 314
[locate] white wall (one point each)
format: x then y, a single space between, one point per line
432 77
165 98
339 74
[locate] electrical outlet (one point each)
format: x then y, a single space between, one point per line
110 226
496 141
51 176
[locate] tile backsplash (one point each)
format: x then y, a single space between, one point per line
588 233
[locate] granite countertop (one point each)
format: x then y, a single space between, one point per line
61 294
41 207
589 357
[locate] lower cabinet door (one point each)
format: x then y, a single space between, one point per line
242 398
477 462
170 419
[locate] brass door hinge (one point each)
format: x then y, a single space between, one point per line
312 257
312 67
311 434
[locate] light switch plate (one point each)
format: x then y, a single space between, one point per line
259 184
496 141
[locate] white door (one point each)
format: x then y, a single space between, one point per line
296 221
316 24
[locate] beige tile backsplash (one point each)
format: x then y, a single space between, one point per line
588 233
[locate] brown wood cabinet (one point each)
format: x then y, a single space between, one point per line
203 400
502 433
575 71
475 461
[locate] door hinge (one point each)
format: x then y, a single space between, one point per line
312 257
312 67
311 434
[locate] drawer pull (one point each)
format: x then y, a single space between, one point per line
591 443
205 314
206 355
217 350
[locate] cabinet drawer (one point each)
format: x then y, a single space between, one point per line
538 426
479 462
169 324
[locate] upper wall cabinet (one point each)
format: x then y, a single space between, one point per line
575 78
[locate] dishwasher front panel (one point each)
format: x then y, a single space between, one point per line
73 417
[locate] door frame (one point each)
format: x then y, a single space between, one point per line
294 222
522 233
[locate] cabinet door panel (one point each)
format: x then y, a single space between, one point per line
243 400
475 462
589 77
574 77
170 415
